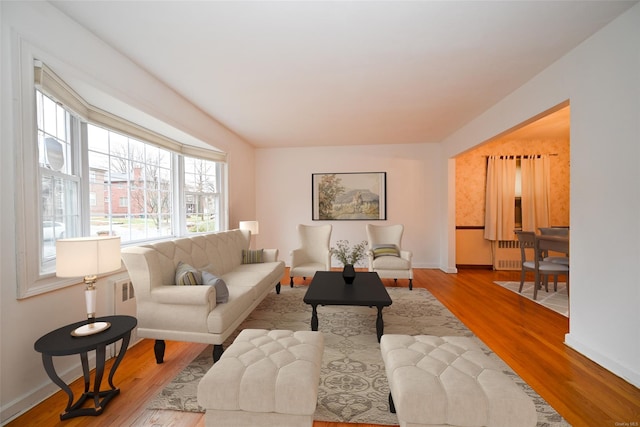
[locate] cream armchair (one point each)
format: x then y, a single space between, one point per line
313 254
385 254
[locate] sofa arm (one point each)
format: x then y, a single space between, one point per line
270 255
185 295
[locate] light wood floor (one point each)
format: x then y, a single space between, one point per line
526 336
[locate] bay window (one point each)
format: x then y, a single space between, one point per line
98 174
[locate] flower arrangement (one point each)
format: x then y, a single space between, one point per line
347 254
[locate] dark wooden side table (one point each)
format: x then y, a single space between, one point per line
61 343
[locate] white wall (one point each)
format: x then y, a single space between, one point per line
283 200
601 78
86 61
241 190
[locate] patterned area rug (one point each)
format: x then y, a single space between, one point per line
353 385
557 301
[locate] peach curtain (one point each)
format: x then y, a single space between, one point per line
499 219
536 186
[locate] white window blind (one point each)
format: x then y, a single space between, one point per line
49 82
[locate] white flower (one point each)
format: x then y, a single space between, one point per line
348 255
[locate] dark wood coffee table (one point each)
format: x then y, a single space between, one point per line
329 288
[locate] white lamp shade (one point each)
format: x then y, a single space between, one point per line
87 256
250 225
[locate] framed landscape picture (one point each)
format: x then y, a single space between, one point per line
349 196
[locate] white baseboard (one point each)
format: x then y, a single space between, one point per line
614 367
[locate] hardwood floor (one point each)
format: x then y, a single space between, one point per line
525 335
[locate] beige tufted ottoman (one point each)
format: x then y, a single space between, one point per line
265 378
449 381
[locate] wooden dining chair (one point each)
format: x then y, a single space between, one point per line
532 261
555 231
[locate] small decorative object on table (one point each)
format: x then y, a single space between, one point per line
349 256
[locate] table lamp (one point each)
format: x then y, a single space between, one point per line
252 226
88 257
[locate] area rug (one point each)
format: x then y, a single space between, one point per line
353 384
556 301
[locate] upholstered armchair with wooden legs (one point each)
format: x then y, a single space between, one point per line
385 254
313 254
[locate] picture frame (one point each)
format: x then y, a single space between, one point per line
350 196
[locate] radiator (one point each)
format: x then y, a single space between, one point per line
124 303
507 255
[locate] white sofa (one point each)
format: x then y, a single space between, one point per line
166 311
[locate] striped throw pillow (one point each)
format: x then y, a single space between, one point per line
385 250
186 275
251 256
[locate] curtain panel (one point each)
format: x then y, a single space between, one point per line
500 198
536 187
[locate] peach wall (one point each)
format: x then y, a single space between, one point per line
471 177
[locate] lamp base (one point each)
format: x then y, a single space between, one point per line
90 329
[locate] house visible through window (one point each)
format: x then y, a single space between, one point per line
137 186
201 190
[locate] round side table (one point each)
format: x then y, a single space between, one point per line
61 343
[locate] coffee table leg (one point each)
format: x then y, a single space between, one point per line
379 324
314 317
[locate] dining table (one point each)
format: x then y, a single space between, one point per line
553 243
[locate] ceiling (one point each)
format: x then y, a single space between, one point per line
320 73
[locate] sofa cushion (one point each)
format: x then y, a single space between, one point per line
391 263
187 275
232 313
222 292
251 256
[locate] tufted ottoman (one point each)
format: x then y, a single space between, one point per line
449 381
265 378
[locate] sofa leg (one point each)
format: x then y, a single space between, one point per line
158 349
392 407
217 352
410 284
278 288
291 281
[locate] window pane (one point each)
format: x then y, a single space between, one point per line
201 198
54 144
60 213
62 127
137 193
136 150
118 145
49 119
98 139
59 185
